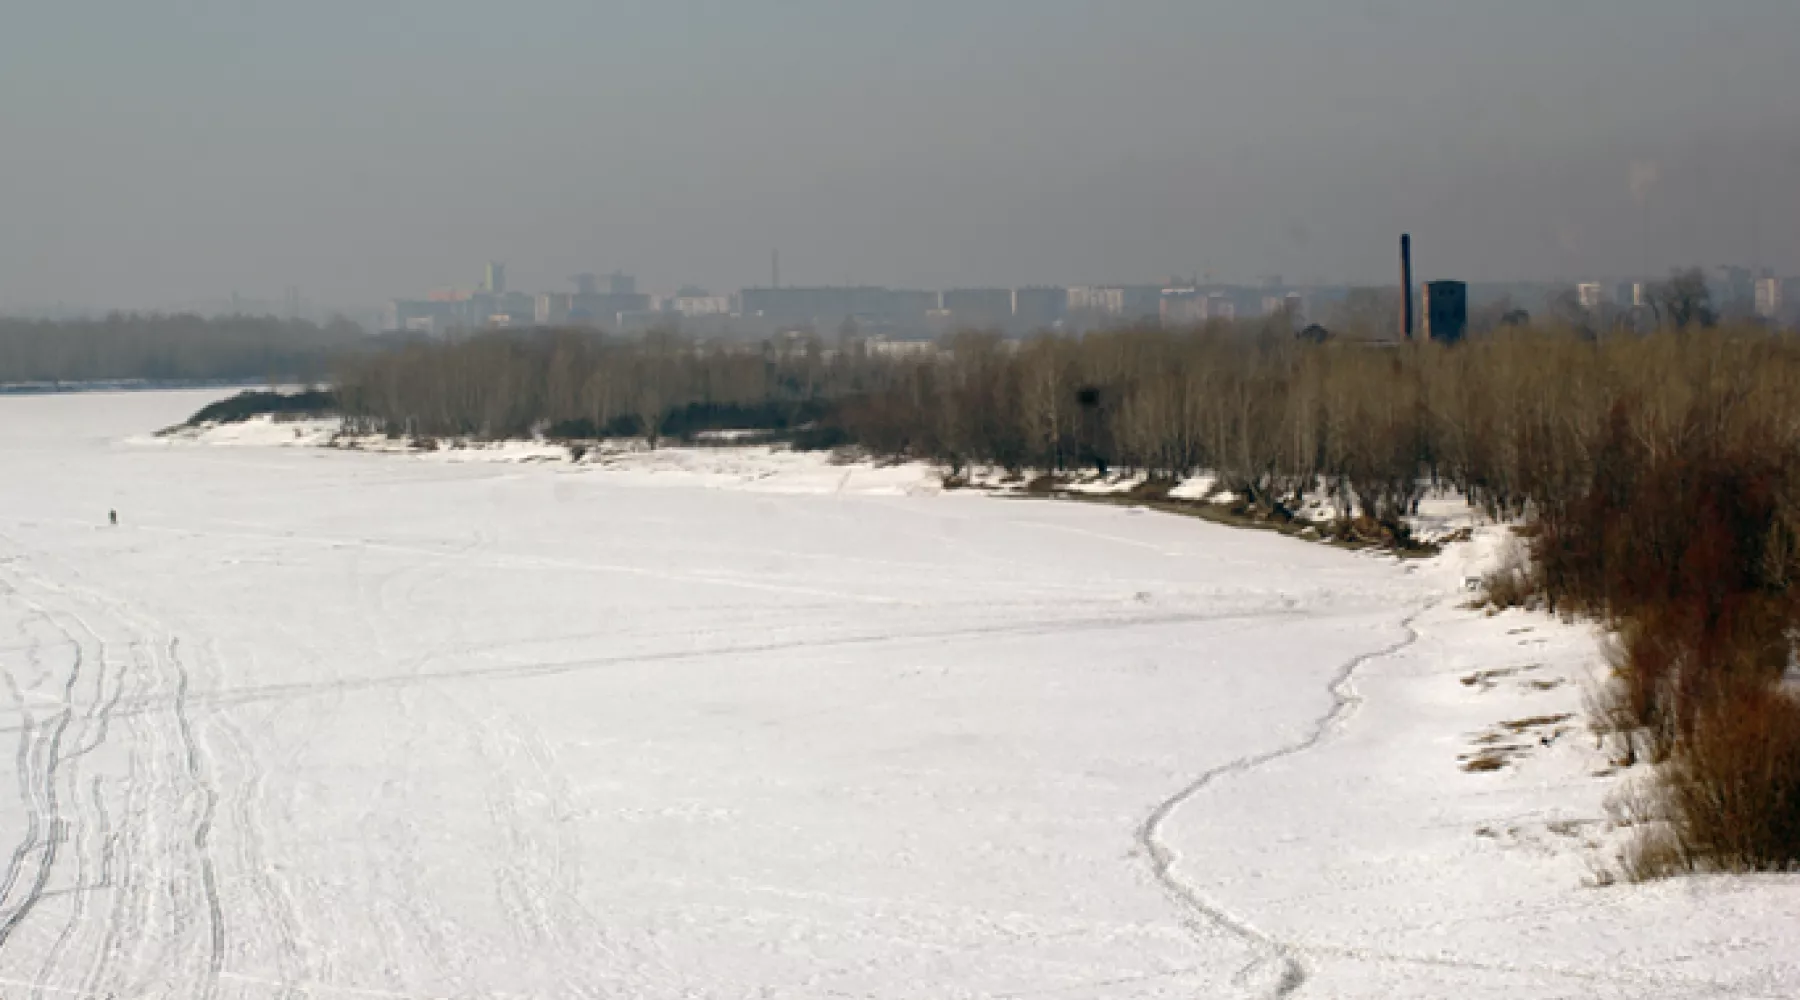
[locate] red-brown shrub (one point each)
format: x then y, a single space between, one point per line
1730 794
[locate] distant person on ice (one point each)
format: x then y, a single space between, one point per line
113 516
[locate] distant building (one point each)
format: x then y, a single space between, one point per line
701 305
446 312
1734 289
604 309
1769 298
796 305
1293 304
1098 300
598 309
881 347
431 316
553 308
827 307
495 281
1631 295
1040 308
1189 306
1142 301
1182 307
1590 295
507 309
981 308
1446 309
908 306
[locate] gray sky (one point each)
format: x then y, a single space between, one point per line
153 153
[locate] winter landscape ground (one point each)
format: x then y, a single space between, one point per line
317 723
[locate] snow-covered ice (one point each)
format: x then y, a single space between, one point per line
745 723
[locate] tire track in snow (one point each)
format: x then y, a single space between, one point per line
1289 973
150 846
44 825
126 850
420 935
40 763
536 878
23 765
60 767
190 746
95 726
109 845
277 922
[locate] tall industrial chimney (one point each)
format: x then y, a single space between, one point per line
1406 287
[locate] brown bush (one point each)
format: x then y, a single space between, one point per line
1730 793
1512 584
1678 657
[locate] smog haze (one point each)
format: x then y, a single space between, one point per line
160 153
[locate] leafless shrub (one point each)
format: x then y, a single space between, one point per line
1511 583
1732 787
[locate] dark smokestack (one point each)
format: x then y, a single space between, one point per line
1406 295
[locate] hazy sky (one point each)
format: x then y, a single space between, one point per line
158 152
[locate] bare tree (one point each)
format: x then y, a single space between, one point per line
1683 300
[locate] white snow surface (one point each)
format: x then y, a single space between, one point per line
1199 487
757 468
322 723
1105 485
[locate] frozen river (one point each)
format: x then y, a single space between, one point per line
320 724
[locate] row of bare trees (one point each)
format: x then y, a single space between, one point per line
179 347
1513 418
580 384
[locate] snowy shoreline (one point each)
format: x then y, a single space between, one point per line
736 459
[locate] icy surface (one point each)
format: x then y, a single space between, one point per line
741 723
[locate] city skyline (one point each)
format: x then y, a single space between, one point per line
764 310
294 302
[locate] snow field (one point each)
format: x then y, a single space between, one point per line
734 723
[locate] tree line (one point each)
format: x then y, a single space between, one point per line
172 348
1512 418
